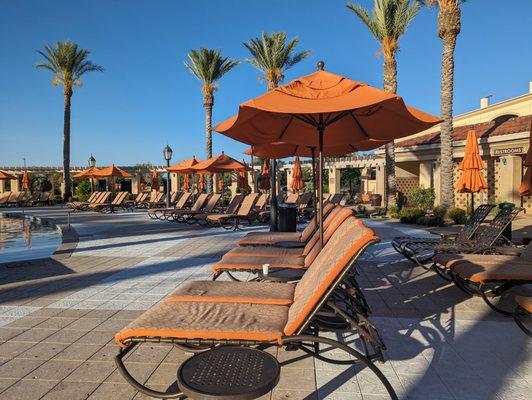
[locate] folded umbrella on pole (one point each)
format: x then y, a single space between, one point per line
471 181
265 175
297 177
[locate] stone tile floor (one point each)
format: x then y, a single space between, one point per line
58 318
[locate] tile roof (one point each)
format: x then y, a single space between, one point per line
483 130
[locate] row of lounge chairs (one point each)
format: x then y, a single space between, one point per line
480 260
24 199
216 316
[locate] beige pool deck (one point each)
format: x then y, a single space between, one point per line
58 317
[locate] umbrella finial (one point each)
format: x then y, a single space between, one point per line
321 65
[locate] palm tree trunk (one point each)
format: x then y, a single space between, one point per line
208 104
449 28
390 85
66 147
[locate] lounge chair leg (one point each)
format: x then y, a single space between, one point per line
140 387
490 304
441 272
358 356
518 315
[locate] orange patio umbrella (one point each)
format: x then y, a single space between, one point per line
297 177
471 179
265 183
25 180
321 109
219 164
201 183
186 183
4 176
525 189
154 180
90 172
112 172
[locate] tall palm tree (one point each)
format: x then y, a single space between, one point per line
388 22
272 55
208 66
449 26
68 64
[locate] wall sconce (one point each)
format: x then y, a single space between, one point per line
504 161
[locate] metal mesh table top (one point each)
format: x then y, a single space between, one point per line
228 372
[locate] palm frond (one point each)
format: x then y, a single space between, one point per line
67 63
208 66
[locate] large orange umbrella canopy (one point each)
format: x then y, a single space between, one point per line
4 176
297 177
112 172
218 164
265 175
154 177
186 183
471 180
349 112
525 189
184 167
25 180
90 172
282 149
201 183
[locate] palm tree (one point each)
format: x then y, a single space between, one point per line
208 66
68 63
272 55
448 30
388 22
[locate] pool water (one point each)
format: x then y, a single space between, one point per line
26 238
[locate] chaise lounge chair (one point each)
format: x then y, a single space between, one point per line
244 315
232 220
231 208
184 215
167 213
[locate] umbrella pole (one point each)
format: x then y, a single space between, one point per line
314 188
472 203
320 182
273 195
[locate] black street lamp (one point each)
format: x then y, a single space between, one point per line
167 153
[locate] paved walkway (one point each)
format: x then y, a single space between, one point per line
58 318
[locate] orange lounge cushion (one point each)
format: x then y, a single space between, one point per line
218 217
235 292
525 302
206 320
261 251
451 260
480 273
269 238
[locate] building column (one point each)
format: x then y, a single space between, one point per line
2 186
234 186
174 186
135 184
380 177
425 174
334 180
510 172
437 182
15 185
289 179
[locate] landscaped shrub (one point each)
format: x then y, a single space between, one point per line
411 215
458 215
83 189
401 200
421 198
394 211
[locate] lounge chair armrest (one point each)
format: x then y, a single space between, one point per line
448 235
510 251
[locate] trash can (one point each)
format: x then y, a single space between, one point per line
376 200
507 233
287 218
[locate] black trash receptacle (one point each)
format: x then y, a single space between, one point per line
287 219
507 233
376 200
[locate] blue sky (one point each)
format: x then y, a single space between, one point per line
146 98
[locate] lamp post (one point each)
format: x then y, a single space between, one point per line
92 163
167 153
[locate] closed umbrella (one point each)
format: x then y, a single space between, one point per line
471 180
297 177
321 109
186 183
201 183
25 180
265 175
525 189
243 183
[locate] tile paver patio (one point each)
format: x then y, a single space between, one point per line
58 318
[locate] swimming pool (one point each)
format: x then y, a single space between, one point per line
26 238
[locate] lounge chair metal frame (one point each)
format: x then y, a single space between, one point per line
519 316
466 233
306 338
232 221
484 240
